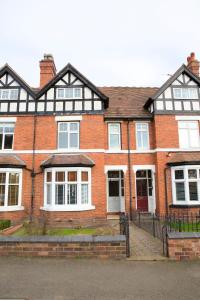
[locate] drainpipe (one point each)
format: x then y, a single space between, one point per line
33 169
166 194
129 167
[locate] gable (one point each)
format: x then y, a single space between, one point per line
181 93
70 92
15 94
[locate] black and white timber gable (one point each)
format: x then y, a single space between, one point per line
180 94
70 92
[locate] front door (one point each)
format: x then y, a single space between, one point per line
115 191
142 194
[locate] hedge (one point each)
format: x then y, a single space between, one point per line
4 224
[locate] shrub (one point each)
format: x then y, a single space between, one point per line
4 224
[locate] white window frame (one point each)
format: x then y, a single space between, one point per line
136 134
9 94
184 90
187 124
73 93
186 181
19 206
118 147
68 134
3 125
68 207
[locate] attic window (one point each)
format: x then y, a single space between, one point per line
68 93
9 94
185 93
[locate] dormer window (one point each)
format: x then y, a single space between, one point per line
185 93
9 94
69 93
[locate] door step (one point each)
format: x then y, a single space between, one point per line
113 217
148 258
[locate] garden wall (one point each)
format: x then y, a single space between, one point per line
184 245
67 246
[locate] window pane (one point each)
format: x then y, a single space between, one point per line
114 128
192 174
180 191
49 176
63 126
73 140
194 137
60 93
84 193
193 191
8 141
73 126
72 176
114 141
60 176
179 174
2 195
114 188
72 194
113 174
13 192
77 92
5 94
141 174
13 94
49 193
84 176
2 178
13 178
60 194
9 129
69 93
63 140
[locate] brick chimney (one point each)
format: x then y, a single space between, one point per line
193 64
47 69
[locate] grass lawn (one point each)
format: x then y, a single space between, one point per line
57 231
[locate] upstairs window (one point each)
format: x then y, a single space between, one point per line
114 136
142 136
185 93
68 135
6 136
9 94
69 93
189 134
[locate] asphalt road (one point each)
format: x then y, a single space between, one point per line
58 279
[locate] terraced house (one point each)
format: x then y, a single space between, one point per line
76 152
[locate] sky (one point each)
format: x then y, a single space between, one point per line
111 42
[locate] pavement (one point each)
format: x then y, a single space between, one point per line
72 279
143 246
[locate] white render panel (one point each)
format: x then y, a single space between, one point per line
9 78
40 106
161 96
168 105
50 94
176 82
192 82
13 106
59 106
177 105
22 106
14 83
168 93
42 98
88 93
97 105
95 96
180 78
66 77
68 105
3 79
30 97
50 106
88 105
23 94
78 105
195 105
72 77
60 82
187 105
77 82
4 107
159 105
186 78
31 106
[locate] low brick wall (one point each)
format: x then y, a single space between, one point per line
68 246
184 245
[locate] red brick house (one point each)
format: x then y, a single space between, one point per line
78 152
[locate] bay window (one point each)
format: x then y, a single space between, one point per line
68 135
189 134
10 189
186 185
68 189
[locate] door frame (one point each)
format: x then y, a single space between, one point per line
152 169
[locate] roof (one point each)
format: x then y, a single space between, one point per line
184 158
68 160
128 101
10 160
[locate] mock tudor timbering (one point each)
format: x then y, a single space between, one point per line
79 152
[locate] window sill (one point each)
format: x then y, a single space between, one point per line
82 208
11 208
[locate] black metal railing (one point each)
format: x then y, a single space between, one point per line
124 230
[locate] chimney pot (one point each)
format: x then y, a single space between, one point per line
47 69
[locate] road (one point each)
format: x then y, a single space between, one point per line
58 279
